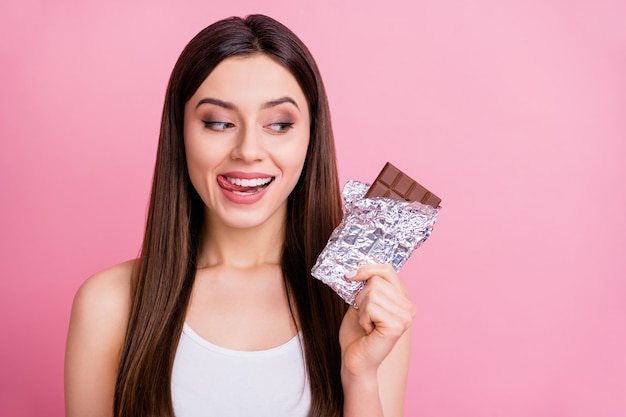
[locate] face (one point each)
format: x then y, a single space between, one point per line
246 133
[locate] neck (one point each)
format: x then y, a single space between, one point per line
242 247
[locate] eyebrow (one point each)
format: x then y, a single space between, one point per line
231 106
273 103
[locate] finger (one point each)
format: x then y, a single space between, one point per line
365 272
384 320
383 305
387 293
392 280
392 302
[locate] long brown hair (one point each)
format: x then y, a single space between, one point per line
164 274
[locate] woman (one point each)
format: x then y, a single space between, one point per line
220 315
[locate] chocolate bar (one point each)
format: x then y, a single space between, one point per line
373 231
393 183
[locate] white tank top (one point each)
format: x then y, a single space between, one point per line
209 380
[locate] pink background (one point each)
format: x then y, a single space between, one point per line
513 112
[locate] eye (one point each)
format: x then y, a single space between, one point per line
217 126
280 127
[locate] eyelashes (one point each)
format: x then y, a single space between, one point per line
278 127
218 126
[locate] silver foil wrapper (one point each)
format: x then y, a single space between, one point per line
373 230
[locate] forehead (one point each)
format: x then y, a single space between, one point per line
250 79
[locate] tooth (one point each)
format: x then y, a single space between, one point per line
253 182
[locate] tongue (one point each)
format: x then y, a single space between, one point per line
224 183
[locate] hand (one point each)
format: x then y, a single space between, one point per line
385 312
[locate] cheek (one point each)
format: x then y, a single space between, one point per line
296 160
194 170
303 148
200 152
199 162
299 147
194 157
293 154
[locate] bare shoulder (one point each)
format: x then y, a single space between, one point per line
94 341
106 293
101 308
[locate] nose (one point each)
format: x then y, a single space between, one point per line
249 146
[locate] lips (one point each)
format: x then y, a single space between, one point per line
244 184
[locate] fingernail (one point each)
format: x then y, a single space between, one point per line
351 273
